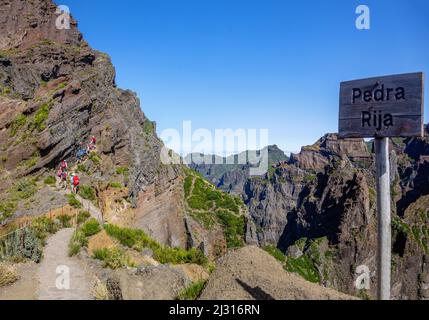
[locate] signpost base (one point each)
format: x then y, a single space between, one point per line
384 218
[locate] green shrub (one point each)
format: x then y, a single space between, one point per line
399 225
310 177
7 208
122 170
43 226
94 157
50 180
87 192
149 127
116 185
205 218
228 203
214 195
113 258
304 267
73 201
83 216
276 253
29 163
17 123
42 114
91 227
192 292
198 203
187 185
26 244
166 254
137 239
81 168
77 241
23 189
132 238
65 220
233 227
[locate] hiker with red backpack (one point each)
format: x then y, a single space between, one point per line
76 182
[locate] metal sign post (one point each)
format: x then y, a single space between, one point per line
384 219
380 108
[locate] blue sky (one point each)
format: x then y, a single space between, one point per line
252 64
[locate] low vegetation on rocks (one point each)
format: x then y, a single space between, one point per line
137 239
87 192
86 229
50 180
312 263
193 291
113 258
210 206
73 201
416 230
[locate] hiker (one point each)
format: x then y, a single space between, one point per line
71 181
59 178
64 180
76 182
64 166
92 143
81 154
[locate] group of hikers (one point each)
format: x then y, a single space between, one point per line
84 151
62 174
63 177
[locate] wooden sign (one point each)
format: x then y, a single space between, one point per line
390 106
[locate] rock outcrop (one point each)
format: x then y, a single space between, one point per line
252 274
55 93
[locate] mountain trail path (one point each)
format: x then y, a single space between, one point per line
86 205
57 267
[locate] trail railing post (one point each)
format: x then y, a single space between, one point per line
383 218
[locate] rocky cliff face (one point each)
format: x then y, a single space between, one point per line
56 92
320 208
335 199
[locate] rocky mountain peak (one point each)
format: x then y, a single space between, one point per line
318 155
26 23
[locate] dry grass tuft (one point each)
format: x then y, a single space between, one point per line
8 274
99 290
